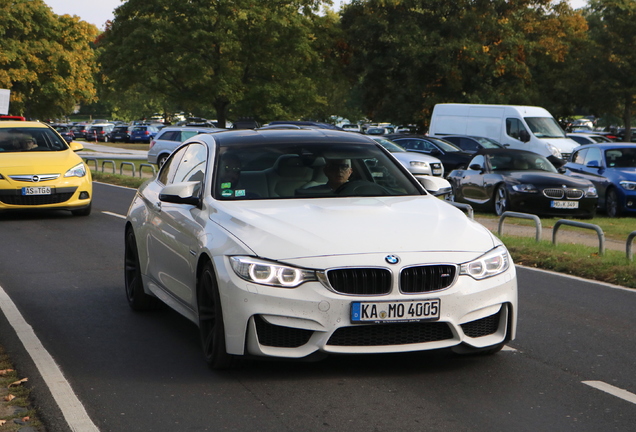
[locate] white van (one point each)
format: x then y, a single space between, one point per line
519 127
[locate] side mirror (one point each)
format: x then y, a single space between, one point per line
593 164
524 136
476 167
181 193
75 146
436 186
435 152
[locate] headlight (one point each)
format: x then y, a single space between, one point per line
418 164
628 185
528 188
591 192
270 273
78 170
490 264
555 151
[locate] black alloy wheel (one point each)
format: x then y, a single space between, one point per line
211 328
137 299
612 204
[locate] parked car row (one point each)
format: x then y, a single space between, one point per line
598 176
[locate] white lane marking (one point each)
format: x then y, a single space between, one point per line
72 409
507 348
114 214
614 391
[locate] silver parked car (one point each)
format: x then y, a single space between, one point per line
417 163
169 138
297 243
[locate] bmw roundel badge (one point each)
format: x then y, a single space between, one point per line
392 259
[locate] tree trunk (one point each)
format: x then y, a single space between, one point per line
221 112
627 118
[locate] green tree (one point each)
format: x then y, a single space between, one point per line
612 60
411 54
235 58
45 60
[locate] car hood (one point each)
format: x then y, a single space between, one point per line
50 162
618 174
298 228
565 145
545 178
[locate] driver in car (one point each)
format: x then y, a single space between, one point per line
338 172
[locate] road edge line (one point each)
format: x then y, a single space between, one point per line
614 391
72 409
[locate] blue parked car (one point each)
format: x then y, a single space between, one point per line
143 133
612 169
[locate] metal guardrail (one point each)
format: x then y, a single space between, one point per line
599 231
121 167
535 218
628 246
108 161
152 167
465 207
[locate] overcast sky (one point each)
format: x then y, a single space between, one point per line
99 11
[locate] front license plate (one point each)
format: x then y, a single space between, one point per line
395 311
36 190
437 171
564 204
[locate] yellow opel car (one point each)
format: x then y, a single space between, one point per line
39 170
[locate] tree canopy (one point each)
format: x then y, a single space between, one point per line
45 60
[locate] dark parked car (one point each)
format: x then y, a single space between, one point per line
65 131
499 180
612 169
99 132
472 144
79 130
120 133
452 157
144 133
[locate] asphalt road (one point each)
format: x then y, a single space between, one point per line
145 372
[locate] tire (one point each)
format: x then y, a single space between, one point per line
162 160
211 328
106 138
137 299
612 204
501 202
83 212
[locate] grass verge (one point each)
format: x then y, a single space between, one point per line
16 411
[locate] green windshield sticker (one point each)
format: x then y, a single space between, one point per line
227 193
226 185
240 193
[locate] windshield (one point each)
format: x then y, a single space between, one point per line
525 161
620 157
30 139
487 142
389 145
444 145
544 127
294 171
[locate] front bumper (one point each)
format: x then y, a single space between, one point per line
71 193
310 319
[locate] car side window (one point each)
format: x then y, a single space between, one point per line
468 144
170 136
514 127
478 160
593 156
192 165
169 168
579 157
